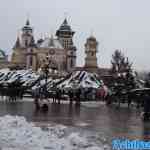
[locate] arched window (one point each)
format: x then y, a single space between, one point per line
30 61
71 63
26 42
92 53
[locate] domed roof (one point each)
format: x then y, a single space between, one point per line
51 43
2 54
65 26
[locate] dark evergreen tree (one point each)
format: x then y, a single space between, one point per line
122 73
147 80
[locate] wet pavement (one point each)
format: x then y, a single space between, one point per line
109 122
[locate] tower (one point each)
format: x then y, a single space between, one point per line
65 36
23 55
90 51
27 35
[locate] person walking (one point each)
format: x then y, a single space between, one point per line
146 107
70 93
78 94
36 97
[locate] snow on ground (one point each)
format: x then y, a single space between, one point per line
18 134
92 104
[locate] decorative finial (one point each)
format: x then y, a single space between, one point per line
27 21
65 15
65 20
92 33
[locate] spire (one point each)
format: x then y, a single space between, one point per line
65 27
27 27
17 44
27 22
65 22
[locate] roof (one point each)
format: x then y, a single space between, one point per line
27 26
51 43
65 27
2 54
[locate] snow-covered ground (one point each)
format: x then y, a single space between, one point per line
18 134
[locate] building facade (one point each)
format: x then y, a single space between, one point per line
59 52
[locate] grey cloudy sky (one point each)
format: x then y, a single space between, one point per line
117 24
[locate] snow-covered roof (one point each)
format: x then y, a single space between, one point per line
81 79
28 78
51 43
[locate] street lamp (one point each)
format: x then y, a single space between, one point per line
45 70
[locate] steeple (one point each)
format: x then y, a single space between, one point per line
27 22
64 28
27 38
65 34
27 27
65 22
17 44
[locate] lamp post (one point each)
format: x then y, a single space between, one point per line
45 70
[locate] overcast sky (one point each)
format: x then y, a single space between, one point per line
117 24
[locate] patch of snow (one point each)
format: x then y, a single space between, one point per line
93 104
82 124
17 134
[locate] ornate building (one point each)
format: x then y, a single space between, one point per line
90 51
60 52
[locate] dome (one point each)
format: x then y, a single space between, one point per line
2 54
51 43
65 26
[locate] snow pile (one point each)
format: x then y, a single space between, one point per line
17 134
81 79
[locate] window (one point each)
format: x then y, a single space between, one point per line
71 63
92 53
30 61
26 42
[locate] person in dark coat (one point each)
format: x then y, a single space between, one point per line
146 107
36 97
70 93
58 95
78 96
